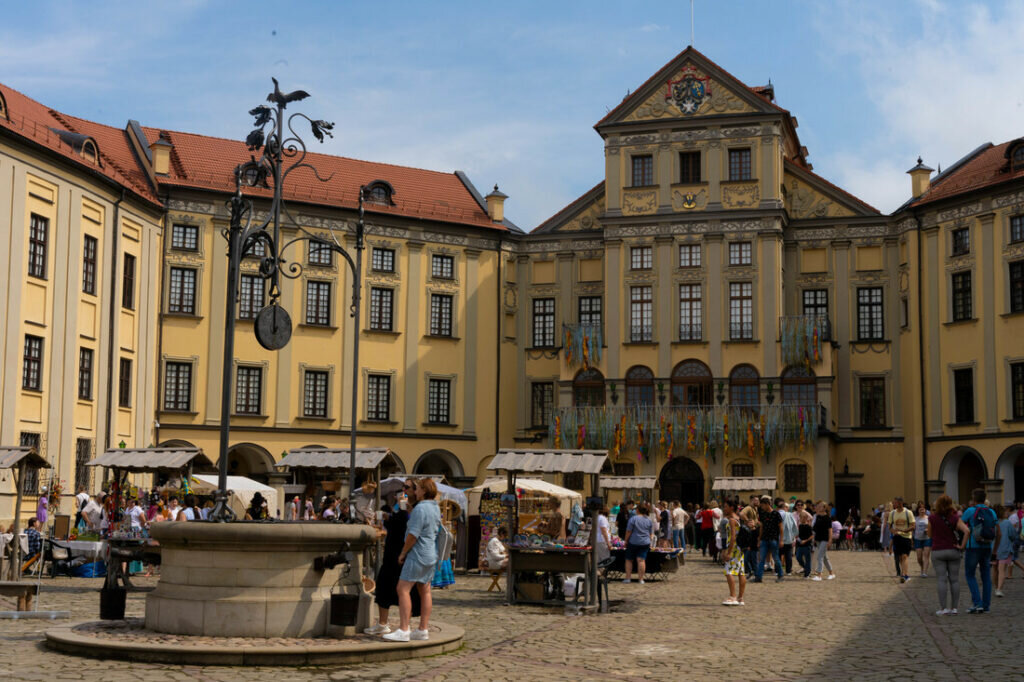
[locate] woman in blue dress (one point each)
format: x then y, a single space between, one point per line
418 559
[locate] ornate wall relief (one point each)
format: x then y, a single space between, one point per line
741 195
639 202
689 198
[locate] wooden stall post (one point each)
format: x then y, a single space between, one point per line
14 570
595 491
512 529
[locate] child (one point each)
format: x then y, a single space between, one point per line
1003 547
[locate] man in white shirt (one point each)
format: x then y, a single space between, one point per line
136 514
497 555
81 499
679 520
93 512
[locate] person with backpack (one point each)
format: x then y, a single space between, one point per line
901 520
948 535
981 521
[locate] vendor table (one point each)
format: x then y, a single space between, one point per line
660 563
561 560
90 549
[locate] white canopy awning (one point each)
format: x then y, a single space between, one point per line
628 482
499 485
744 483
550 461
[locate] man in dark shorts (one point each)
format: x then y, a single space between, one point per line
901 520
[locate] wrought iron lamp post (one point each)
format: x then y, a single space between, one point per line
282 151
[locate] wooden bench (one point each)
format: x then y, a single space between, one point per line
24 592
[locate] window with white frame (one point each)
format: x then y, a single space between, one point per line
641 257
689 255
739 253
590 310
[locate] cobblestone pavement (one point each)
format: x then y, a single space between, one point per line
864 625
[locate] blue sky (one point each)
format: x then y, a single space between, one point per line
509 93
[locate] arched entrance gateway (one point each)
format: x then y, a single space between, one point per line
1010 468
963 470
439 463
250 460
681 479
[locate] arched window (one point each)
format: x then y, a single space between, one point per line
744 387
588 388
90 151
691 384
379 192
639 386
798 386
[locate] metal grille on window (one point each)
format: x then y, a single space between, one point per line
542 401
31 367
182 296
314 396
185 237
318 303
442 267
690 312
739 164
961 241
689 255
1017 389
381 308
543 322
319 253
85 373
641 257
383 260
641 315
250 296
869 313
89 265
741 310
872 401
962 296
590 310
963 389
739 253
438 394
440 315
795 477
643 171
124 390
83 453
30 483
248 390
1017 287
378 398
178 386
37 233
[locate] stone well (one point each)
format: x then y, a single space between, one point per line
254 579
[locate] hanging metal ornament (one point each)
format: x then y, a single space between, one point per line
273 327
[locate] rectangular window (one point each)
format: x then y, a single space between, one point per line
250 296
963 395
248 390
442 267
690 312
816 302
869 314
381 309
378 398
185 237
689 168
89 265
128 283
38 228
743 469
124 383
318 303
85 374
795 477
643 170
872 402
739 164
1017 228
543 322
83 453
541 403
178 386
689 255
1017 287
961 296
314 394
31 478
440 315
31 367
739 253
590 310
641 258
319 253
439 401
641 314
741 311
961 241
1017 389
383 260
182 294
257 249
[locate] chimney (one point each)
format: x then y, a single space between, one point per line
496 205
160 150
920 178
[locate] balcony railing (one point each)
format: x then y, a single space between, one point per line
690 332
583 344
801 338
704 431
641 333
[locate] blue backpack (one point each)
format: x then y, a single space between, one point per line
983 526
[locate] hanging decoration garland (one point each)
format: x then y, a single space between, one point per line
801 339
582 345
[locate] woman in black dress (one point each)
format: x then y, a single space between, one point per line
386 594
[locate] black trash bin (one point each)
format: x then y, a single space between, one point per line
112 601
344 609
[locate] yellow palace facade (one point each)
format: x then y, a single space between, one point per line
711 309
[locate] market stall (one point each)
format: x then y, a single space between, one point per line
18 459
633 488
241 490
744 484
530 555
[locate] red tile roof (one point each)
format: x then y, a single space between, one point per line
203 162
802 167
985 167
35 122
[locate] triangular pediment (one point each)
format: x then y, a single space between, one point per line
582 215
809 196
689 86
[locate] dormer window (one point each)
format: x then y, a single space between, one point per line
89 151
1017 158
3 108
83 145
379 192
